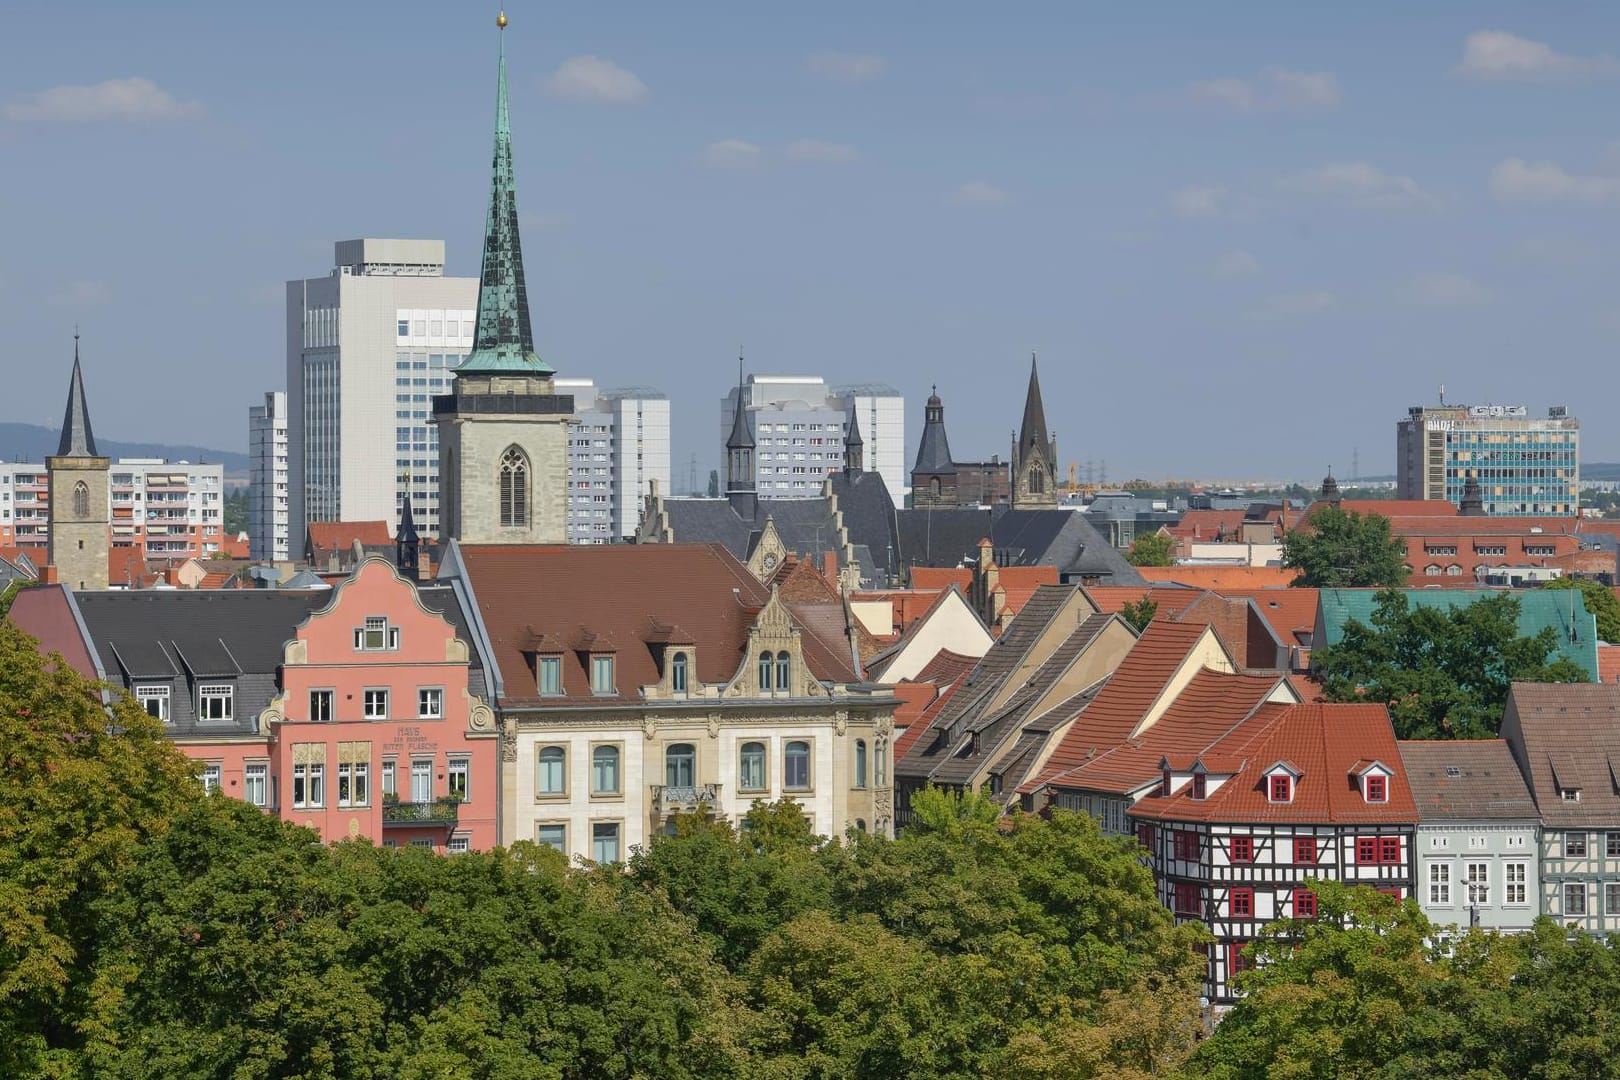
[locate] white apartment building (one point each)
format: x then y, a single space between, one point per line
368 347
268 538
170 509
798 425
618 444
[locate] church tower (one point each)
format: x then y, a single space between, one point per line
854 445
740 488
79 530
503 428
1034 456
934 474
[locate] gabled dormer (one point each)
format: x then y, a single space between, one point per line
773 665
1280 782
1372 778
675 652
1209 772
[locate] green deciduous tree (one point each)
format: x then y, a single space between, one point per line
1600 602
1339 548
1444 672
1140 612
1151 549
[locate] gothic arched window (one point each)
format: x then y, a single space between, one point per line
514 488
81 500
1037 480
933 487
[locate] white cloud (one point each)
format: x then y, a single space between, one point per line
1497 55
845 67
1273 89
1520 181
1195 201
1446 290
732 154
132 101
815 150
1294 305
1360 185
1236 264
78 295
595 79
978 193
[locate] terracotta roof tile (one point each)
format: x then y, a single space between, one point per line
1289 612
1609 664
1172 600
1208 525
1568 735
934 577
341 535
1216 578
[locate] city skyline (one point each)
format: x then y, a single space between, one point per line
1288 224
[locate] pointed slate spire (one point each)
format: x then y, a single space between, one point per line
407 541
741 437
504 341
854 445
934 451
1032 436
77 438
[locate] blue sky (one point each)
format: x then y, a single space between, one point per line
1244 238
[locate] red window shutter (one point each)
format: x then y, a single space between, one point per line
1144 836
1242 849
1199 786
1281 787
1305 849
1367 849
1304 904
1377 791
1242 903
1390 890
1389 849
1236 959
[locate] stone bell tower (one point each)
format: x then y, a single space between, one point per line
79 530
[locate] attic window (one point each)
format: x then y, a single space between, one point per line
1453 772
1281 788
1377 788
376 635
1200 788
1570 794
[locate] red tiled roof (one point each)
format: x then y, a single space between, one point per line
1590 562
940 577
44 613
1390 508
334 535
1172 600
919 727
622 593
1018 584
1483 526
26 559
215 579
1608 659
945 667
1322 743
1218 577
1287 611
1206 525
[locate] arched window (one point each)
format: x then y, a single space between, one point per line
514 488
550 772
796 766
680 765
784 671
880 760
860 824
1037 480
933 487
751 767
765 672
677 673
860 763
605 770
81 500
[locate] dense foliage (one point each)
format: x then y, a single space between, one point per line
1151 549
1600 602
1443 671
1139 612
1341 549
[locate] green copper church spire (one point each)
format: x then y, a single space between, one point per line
504 342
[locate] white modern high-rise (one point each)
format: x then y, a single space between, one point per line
368 347
798 425
618 443
267 478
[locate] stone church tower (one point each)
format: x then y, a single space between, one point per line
79 531
503 428
1034 455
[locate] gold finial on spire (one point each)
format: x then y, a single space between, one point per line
500 20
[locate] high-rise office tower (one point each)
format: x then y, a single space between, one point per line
267 479
798 426
368 347
1524 466
618 443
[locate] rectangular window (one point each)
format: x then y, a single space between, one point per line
215 701
389 785
211 777
1237 961
404 328
1389 849
1200 786
1144 835
601 675
1304 904
1242 903
155 700
1242 849
1377 788
549 675
320 706
309 786
421 780
375 704
422 843
555 836
1439 883
354 784
430 703
1282 788
1478 877
1575 898
1611 844
1305 849
376 635
459 779
1611 898
550 772
1186 898
457 845
255 785
1575 845
1186 845
605 841
1514 874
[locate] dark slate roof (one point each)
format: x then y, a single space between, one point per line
1033 432
934 452
1060 538
1466 780
77 438
870 517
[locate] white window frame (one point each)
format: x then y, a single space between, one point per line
213 777
329 698
462 767
160 696
224 692
430 703
542 664
355 777
256 775
1569 890
1440 884
421 766
618 841
1477 879
309 786
369 703
1516 876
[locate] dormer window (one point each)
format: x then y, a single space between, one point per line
1200 786
548 675
1377 787
376 635
1281 789
1164 783
678 673
1570 794
602 674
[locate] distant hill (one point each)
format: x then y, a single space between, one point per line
1600 470
30 442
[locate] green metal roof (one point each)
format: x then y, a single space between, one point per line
504 341
1564 610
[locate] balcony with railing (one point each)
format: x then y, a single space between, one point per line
445 811
683 798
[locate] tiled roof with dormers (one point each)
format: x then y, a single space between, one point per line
1466 780
1567 735
1318 744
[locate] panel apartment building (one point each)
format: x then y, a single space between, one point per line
618 444
1526 467
368 347
798 425
268 536
171 510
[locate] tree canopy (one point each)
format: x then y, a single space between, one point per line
1151 549
1139 612
1339 549
1444 672
1600 601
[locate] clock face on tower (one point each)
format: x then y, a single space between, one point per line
770 560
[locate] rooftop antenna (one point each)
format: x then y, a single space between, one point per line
1442 394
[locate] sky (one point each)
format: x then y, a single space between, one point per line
1243 238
